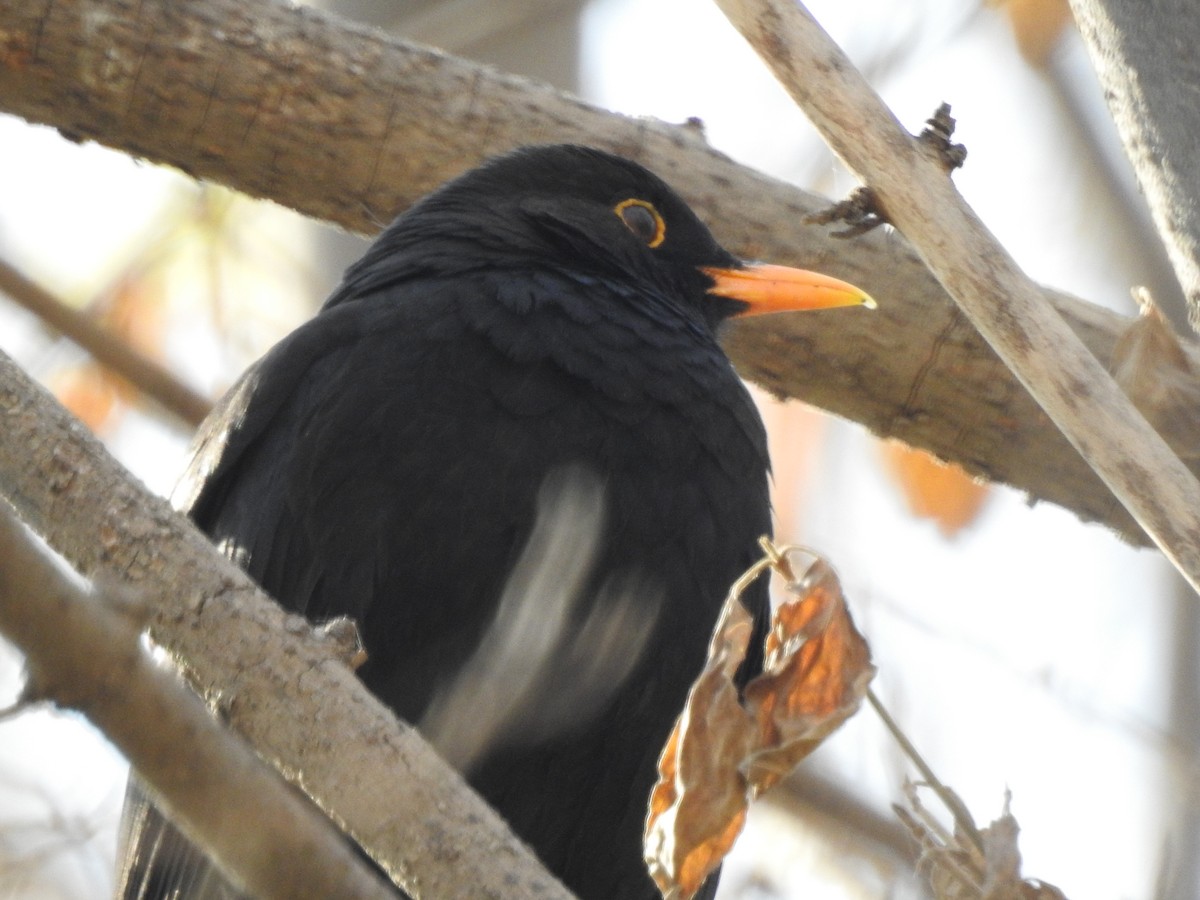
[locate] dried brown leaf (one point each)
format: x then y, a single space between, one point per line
815 674
726 749
698 806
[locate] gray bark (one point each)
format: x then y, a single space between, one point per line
1145 54
346 124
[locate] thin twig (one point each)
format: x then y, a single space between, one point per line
962 816
1008 309
142 372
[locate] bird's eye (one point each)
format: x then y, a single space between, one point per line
643 220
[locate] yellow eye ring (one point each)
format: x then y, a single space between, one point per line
643 220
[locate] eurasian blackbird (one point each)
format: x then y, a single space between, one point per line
512 449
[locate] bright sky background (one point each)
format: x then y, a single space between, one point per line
1026 653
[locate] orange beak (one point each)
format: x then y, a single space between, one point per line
770 289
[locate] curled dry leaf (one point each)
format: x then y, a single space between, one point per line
815 674
698 806
726 749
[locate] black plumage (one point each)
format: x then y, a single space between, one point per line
520 332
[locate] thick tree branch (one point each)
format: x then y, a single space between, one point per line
348 125
1145 55
83 651
285 691
917 195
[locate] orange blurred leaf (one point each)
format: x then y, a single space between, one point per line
134 311
726 749
90 392
934 489
1037 26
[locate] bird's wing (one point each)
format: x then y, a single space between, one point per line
250 408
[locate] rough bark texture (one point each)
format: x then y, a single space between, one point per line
82 650
911 185
1145 54
348 125
272 679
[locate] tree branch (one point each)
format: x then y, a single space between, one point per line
917 195
82 650
236 93
141 371
277 684
1145 55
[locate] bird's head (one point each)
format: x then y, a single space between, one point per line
582 211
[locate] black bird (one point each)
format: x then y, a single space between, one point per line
534 342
